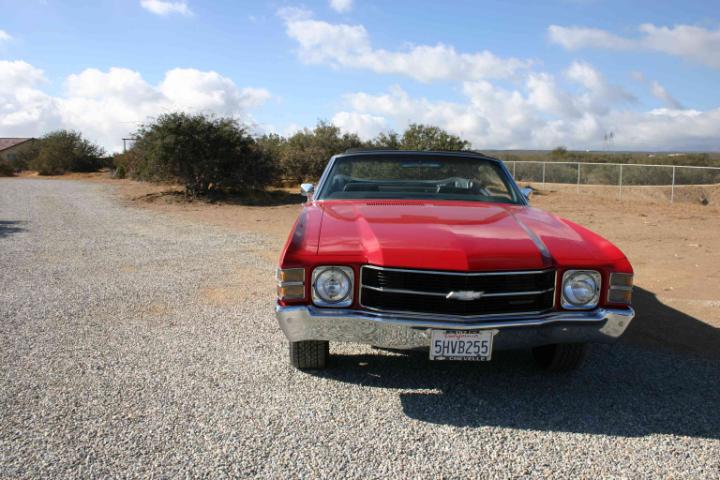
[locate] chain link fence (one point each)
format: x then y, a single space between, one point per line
673 183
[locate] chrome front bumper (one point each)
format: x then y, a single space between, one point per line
603 325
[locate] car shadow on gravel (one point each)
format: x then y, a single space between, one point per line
634 388
659 325
9 227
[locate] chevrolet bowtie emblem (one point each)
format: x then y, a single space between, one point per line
464 295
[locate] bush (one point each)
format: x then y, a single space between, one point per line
427 137
133 164
389 140
201 152
22 159
6 170
306 153
65 151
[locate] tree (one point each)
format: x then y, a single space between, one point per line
559 153
307 152
389 140
272 146
202 152
428 137
66 151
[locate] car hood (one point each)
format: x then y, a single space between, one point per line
460 236
433 235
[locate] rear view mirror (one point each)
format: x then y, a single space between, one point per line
307 189
527 191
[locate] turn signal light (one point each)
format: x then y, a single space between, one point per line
290 283
620 290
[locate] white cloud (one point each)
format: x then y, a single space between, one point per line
17 74
365 125
660 93
539 114
24 109
573 38
341 6
544 95
194 90
349 46
163 7
107 106
599 95
4 36
686 41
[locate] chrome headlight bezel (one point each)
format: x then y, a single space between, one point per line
569 303
346 300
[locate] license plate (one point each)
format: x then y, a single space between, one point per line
448 345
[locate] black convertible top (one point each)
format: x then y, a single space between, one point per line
414 153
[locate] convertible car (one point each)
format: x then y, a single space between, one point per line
442 251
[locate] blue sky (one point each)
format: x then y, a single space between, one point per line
503 74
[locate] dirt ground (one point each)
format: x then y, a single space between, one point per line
674 248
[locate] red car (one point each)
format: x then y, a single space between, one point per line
440 250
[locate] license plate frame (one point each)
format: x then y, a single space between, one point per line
474 346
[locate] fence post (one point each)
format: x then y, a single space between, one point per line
514 163
672 187
543 182
620 183
578 180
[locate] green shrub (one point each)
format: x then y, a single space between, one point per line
428 137
21 160
306 153
66 151
6 170
389 140
133 164
202 152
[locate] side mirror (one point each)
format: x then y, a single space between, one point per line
527 191
307 189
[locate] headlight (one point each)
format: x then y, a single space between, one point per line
332 286
580 289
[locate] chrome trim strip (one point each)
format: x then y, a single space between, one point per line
465 274
457 318
445 321
399 290
436 294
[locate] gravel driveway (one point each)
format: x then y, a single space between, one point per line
136 344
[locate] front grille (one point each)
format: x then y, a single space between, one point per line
419 291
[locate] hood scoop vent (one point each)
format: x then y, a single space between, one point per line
394 203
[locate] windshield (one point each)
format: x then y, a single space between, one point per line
421 177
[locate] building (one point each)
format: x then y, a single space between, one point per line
10 148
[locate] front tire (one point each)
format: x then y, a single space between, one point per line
309 354
562 357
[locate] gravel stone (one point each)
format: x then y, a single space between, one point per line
113 363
